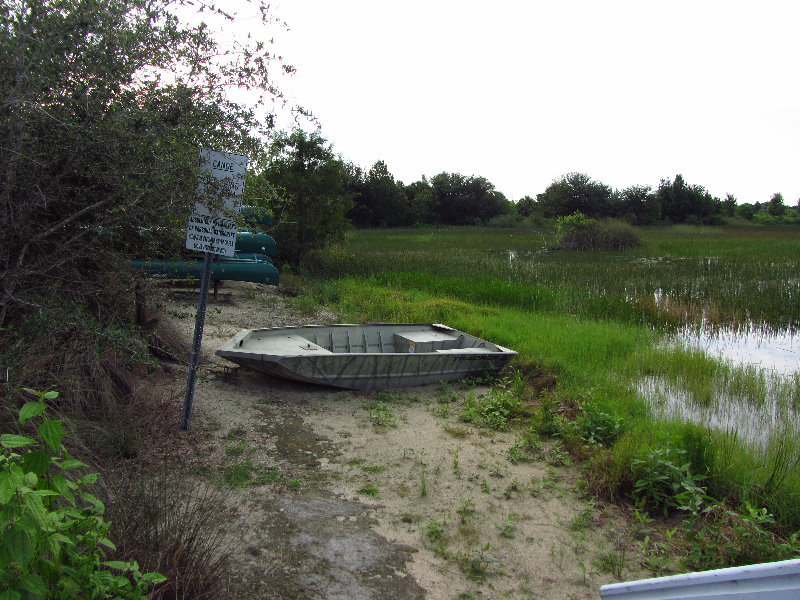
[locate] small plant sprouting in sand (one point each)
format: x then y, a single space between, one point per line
466 510
508 528
478 563
435 537
380 414
369 490
373 469
456 468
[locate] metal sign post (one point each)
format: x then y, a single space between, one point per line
212 232
198 338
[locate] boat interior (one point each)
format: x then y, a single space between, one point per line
363 339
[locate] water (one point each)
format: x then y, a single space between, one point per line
775 351
754 418
755 425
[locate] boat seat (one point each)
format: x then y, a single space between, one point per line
425 341
292 345
466 351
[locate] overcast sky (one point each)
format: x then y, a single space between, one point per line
628 92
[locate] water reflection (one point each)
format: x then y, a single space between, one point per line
754 425
776 351
753 417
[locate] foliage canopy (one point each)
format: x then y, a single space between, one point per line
103 106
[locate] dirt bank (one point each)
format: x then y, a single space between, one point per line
337 494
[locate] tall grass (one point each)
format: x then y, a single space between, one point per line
728 277
597 320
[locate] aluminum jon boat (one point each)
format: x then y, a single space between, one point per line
365 357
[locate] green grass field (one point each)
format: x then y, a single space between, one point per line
597 321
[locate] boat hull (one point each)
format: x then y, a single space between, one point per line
365 357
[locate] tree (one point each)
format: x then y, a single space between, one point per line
461 200
729 205
638 205
312 201
576 192
776 207
526 206
746 211
99 142
681 202
382 201
421 202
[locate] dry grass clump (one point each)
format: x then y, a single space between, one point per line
172 525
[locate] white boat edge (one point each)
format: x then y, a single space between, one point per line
774 581
311 363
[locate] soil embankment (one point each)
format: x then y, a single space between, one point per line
335 494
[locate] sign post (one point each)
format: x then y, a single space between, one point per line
212 230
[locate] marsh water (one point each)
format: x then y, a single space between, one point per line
774 351
772 362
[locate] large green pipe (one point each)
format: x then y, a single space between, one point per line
256 242
255 270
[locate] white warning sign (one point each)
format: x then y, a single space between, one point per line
214 230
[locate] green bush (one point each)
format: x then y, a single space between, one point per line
578 232
663 478
720 538
494 410
53 537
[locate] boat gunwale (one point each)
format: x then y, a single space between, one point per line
229 348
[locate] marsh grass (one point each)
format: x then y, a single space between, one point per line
596 322
732 274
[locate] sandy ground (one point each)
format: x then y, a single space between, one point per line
378 495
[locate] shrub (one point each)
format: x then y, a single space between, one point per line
54 539
577 232
664 479
494 410
598 427
720 538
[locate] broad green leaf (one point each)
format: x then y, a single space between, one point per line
61 484
37 510
17 475
90 478
122 583
21 545
10 595
58 537
44 493
31 479
154 577
7 487
12 440
51 395
53 546
71 463
30 410
107 543
33 584
99 507
37 462
26 522
52 433
119 565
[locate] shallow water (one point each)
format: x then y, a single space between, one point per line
729 413
775 351
753 420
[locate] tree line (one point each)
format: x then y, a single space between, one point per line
320 194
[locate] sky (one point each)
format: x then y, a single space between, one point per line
521 93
